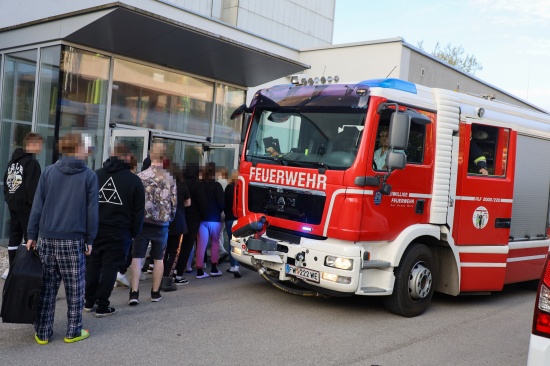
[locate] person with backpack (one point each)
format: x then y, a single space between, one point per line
65 212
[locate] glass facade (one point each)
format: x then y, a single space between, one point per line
148 97
47 107
18 88
228 99
83 97
59 89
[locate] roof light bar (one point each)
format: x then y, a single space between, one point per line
396 84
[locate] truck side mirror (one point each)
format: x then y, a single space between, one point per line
238 111
396 159
398 135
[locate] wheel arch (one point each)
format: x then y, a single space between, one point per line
447 273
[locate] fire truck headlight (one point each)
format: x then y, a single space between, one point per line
338 262
237 251
335 278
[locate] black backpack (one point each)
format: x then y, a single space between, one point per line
22 288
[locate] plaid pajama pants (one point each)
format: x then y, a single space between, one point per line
62 259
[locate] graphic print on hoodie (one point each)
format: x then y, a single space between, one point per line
109 194
21 179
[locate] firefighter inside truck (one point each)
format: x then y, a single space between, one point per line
482 146
414 151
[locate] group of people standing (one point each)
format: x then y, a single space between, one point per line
91 223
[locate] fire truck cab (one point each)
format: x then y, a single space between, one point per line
389 188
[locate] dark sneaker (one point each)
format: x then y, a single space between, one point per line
89 307
155 296
180 281
100 313
202 275
134 298
216 273
167 284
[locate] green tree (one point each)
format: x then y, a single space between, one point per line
454 55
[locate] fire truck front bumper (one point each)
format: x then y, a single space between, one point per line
310 264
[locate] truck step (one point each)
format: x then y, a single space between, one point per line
372 290
375 264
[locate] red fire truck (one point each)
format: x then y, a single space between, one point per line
389 188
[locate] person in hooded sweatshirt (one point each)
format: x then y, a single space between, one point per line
20 183
121 212
65 212
194 215
210 227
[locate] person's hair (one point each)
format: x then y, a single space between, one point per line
209 171
120 149
234 175
31 137
177 172
69 144
133 163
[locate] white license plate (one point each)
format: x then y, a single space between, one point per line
307 274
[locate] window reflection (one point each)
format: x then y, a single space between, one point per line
148 97
17 110
227 100
84 84
48 92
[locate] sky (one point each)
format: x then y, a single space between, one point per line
510 38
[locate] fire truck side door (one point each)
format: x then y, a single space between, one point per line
483 202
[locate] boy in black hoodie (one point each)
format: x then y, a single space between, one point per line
20 182
121 212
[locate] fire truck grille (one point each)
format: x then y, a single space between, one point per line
283 236
295 205
289 236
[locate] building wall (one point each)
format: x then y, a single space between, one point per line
296 23
355 62
439 75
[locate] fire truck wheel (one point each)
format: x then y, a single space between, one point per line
414 282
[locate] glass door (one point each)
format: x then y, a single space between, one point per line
135 140
226 156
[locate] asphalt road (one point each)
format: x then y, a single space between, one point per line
228 321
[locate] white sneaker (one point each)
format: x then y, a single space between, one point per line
121 279
5 274
142 277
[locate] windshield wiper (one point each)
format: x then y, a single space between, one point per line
267 157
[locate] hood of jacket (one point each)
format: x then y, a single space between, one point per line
114 164
70 165
19 154
192 171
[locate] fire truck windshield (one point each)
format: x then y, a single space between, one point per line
327 138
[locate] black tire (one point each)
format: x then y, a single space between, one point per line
414 283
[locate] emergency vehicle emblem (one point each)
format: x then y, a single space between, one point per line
480 217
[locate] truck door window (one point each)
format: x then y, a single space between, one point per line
487 150
415 149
